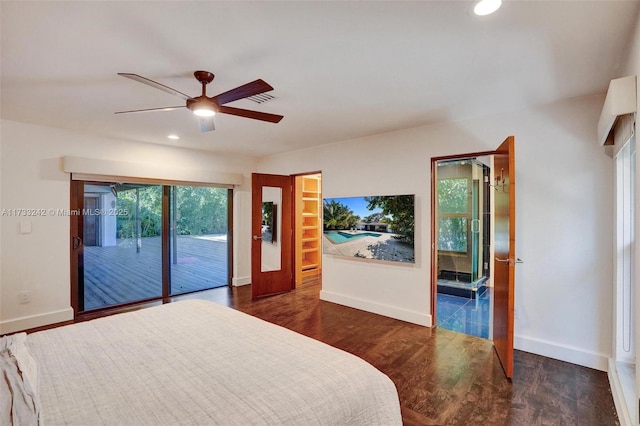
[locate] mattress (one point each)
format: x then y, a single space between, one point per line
195 362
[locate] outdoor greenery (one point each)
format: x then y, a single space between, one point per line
150 211
338 216
453 209
453 195
401 210
452 234
267 214
199 210
376 217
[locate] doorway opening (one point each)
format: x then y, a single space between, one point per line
289 208
308 227
501 228
463 245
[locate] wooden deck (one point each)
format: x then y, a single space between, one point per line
115 275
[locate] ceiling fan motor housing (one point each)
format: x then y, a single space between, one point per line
204 77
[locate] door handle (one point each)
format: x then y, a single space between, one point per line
256 238
77 243
510 261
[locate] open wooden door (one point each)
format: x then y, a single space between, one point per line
505 253
272 234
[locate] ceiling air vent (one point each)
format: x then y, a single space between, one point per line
261 98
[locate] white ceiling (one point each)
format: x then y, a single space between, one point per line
340 70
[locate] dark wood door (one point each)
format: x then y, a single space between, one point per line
272 234
505 253
91 221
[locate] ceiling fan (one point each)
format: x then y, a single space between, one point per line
206 107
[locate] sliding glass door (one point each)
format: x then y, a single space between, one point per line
122 234
133 242
198 238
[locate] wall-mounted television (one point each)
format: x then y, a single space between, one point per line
379 227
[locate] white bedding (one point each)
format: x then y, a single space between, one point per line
198 363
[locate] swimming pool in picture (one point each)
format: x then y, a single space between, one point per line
337 237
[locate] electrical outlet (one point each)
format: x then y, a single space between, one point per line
24 297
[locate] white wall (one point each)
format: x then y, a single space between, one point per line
564 234
564 221
31 178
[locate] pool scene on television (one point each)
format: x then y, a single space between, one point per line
374 227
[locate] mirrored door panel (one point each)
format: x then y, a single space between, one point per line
271 259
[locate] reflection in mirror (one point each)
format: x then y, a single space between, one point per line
270 249
269 222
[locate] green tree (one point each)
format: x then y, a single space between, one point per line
338 216
401 210
453 209
200 210
150 211
376 217
453 195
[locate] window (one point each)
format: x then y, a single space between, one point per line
625 373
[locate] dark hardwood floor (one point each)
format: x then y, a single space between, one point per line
442 377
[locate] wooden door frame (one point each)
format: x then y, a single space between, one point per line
76 252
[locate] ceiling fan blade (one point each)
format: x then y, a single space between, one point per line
256 115
171 108
155 84
254 88
206 124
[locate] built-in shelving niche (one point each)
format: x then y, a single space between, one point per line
308 226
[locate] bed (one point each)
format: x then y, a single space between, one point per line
195 362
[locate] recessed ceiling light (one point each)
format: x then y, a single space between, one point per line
174 137
486 7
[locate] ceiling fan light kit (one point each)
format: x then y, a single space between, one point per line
202 110
206 107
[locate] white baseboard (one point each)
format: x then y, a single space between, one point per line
562 352
618 395
236 282
26 323
377 308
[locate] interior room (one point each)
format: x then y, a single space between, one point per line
324 101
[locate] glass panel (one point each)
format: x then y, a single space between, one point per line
271 220
453 195
452 234
198 246
475 228
625 297
122 243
